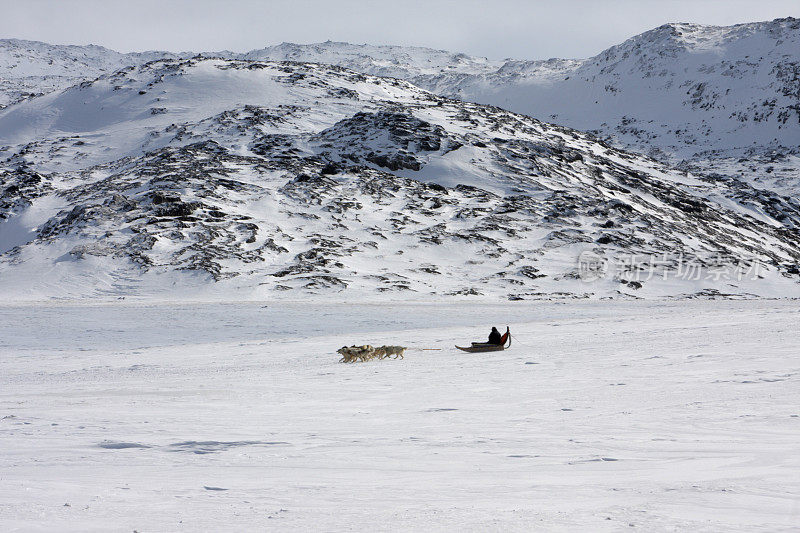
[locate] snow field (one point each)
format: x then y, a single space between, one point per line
602 415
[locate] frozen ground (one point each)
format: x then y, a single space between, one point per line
601 416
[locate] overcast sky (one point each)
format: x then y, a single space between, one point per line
493 28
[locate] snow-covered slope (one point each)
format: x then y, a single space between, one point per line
278 178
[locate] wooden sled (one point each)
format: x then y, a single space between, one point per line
488 347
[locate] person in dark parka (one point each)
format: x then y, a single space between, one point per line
495 337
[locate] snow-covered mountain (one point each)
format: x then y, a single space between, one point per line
415 64
279 178
684 88
714 98
710 96
32 68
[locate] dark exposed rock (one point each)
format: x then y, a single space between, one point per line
18 188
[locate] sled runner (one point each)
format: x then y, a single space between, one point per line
488 347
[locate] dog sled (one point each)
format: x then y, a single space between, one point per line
489 347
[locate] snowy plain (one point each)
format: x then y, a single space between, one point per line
602 416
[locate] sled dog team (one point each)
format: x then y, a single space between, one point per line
363 353
351 354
